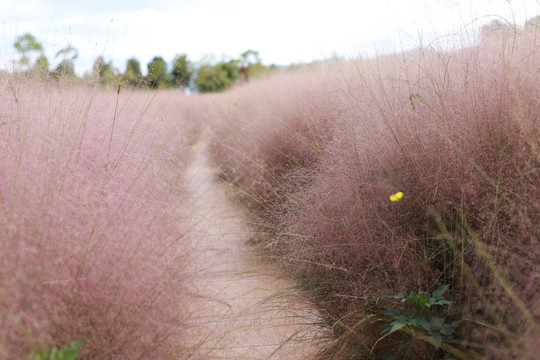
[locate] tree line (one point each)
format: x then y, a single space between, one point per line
182 74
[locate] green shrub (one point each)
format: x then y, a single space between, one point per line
68 352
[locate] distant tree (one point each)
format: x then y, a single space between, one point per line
157 73
66 68
257 69
217 78
210 79
26 44
273 67
181 72
249 57
251 64
42 66
133 75
231 68
104 71
296 66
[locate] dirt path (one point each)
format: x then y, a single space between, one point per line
241 308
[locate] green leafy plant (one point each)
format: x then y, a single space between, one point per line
420 316
68 352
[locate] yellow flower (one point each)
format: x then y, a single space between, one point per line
397 196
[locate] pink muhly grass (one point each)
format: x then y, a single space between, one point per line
91 196
264 129
458 141
457 132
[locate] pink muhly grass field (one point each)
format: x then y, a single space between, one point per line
263 130
457 132
91 198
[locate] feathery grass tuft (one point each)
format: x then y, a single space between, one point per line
317 154
91 199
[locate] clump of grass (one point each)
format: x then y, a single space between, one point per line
91 196
263 131
457 133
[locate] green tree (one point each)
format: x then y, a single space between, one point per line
250 57
181 72
209 79
231 68
251 63
217 78
41 67
133 74
257 69
157 73
26 44
104 71
66 68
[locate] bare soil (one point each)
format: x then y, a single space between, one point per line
240 307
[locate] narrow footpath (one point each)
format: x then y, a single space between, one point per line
240 307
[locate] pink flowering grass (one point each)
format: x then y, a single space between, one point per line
457 132
91 198
267 128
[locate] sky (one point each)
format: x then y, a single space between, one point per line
282 31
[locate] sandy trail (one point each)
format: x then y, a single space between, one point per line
241 308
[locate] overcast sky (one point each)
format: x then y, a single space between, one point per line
283 31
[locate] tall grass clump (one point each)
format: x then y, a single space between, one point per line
261 132
91 197
457 132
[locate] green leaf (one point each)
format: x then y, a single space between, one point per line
423 323
39 355
68 352
388 357
410 313
436 323
437 294
447 330
437 340
442 302
386 329
418 300
53 354
396 325
391 312
71 351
